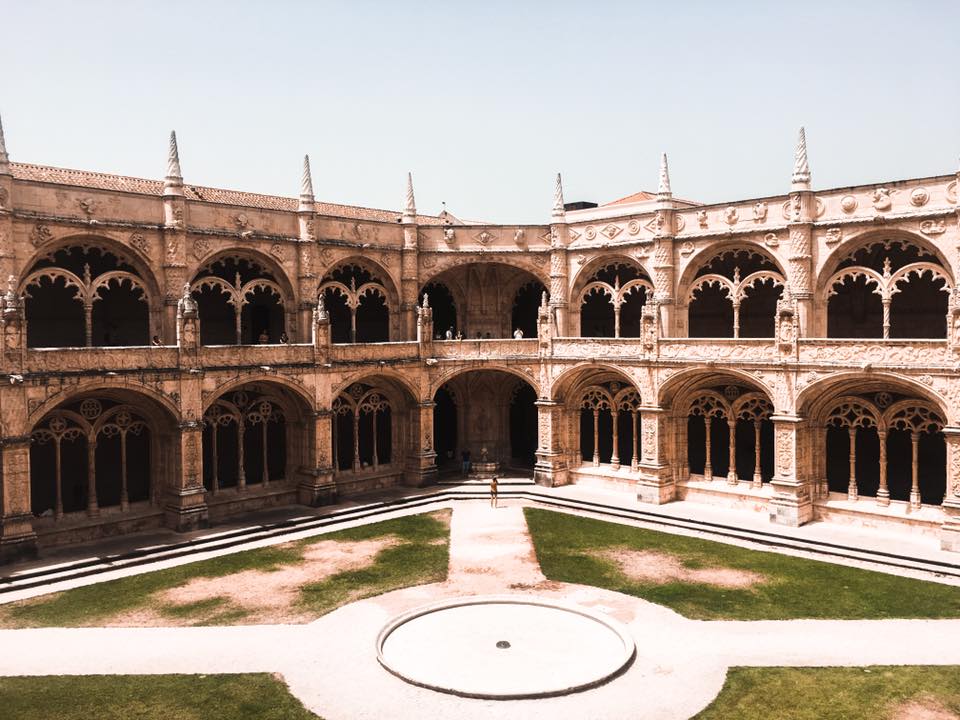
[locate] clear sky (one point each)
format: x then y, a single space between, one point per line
485 101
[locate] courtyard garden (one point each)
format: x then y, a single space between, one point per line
707 580
293 582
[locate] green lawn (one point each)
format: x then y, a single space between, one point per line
863 693
571 549
420 556
149 697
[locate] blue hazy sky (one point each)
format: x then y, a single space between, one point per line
485 101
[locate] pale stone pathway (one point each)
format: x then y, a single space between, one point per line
331 665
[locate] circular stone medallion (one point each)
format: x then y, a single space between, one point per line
504 647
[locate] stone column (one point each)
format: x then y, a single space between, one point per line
185 506
409 274
17 538
422 458
791 503
800 260
950 530
319 487
551 467
7 254
655 484
883 492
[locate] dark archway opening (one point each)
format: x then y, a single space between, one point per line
919 309
339 312
596 315
445 428
373 319
444 309
526 306
262 316
711 313
631 312
54 315
758 309
855 311
696 444
523 427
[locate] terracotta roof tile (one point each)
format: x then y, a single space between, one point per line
121 183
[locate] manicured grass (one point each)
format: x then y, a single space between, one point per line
862 693
571 548
149 697
421 556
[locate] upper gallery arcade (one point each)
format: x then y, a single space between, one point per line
174 354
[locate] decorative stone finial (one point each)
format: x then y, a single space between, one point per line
663 188
4 158
173 182
426 301
306 187
801 167
558 211
410 206
10 299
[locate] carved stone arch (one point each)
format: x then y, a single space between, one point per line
709 252
105 243
753 406
673 392
594 265
709 404
266 261
449 375
168 411
570 382
851 411
376 269
813 398
912 414
864 238
434 265
269 384
406 390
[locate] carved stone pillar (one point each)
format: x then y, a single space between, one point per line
17 538
655 484
551 467
791 503
559 238
319 488
422 458
800 260
185 506
950 530
409 278
663 279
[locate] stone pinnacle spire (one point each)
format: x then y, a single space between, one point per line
801 167
558 211
173 182
4 158
663 188
410 206
306 187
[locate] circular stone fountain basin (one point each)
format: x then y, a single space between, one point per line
504 647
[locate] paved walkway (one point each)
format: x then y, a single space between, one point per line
331 665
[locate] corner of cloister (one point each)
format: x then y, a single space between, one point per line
174 355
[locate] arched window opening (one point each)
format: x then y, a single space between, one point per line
611 302
244 440
445 428
729 433
888 289
735 295
89 455
610 425
362 432
240 303
444 309
897 453
357 302
85 296
523 420
526 306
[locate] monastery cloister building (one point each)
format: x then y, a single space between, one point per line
175 354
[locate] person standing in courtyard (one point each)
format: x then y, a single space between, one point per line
493 491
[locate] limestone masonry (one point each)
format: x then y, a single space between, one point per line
175 354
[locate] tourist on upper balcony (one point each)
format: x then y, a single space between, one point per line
264 337
518 334
449 333
487 336
284 338
156 341
459 335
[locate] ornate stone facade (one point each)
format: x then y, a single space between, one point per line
175 354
